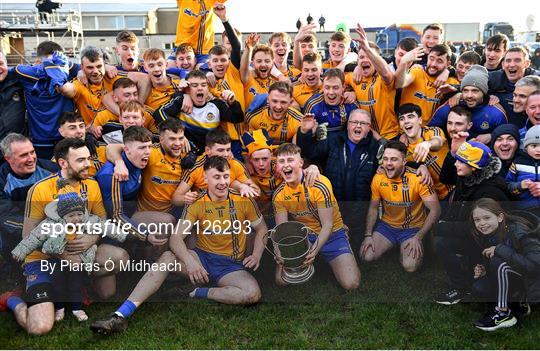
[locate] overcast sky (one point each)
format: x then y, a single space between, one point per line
281 15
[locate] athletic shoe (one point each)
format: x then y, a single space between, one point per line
496 319
5 296
450 297
113 324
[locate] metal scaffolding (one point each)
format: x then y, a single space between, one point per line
64 27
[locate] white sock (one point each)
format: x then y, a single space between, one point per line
59 315
80 315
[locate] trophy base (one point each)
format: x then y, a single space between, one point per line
298 275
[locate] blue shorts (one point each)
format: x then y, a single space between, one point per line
35 273
216 265
39 288
176 211
395 235
336 245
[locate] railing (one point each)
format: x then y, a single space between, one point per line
19 20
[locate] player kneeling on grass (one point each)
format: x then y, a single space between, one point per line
511 248
66 212
222 221
317 208
404 221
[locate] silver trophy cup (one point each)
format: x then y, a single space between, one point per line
291 245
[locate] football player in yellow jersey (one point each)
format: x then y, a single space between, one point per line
404 221
162 174
228 78
127 49
316 207
280 43
419 83
375 91
218 143
305 41
259 80
163 86
425 145
339 47
124 90
90 99
222 221
71 125
310 83
196 24
278 117
36 314
262 168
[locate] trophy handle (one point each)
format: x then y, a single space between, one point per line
316 243
268 233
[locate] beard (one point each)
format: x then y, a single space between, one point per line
78 175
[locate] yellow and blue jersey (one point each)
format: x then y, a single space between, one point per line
46 191
302 202
377 98
195 25
256 86
423 92
280 131
161 95
302 93
88 99
195 176
160 178
222 227
401 199
435 159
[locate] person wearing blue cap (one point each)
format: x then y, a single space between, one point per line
477 171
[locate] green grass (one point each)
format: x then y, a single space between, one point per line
391 310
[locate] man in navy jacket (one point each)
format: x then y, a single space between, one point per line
351 162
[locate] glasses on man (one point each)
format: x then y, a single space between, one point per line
360 123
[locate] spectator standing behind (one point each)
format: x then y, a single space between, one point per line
322 21
12 104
